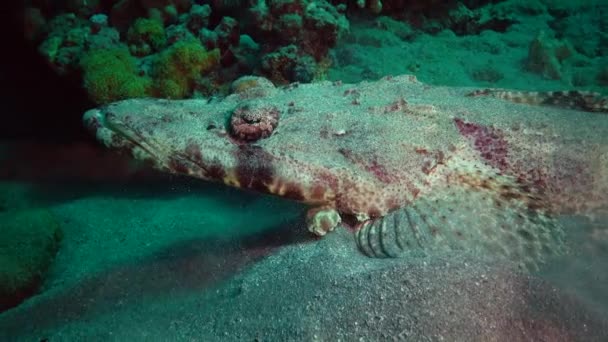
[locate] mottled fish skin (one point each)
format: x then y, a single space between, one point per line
573 99
374 153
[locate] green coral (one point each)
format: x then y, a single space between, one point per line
177 70
111 75
145 36
30 240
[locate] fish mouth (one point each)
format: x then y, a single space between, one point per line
131 135
114 134
185 145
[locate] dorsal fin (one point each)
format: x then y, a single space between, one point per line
572 99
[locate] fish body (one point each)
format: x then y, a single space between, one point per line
406 165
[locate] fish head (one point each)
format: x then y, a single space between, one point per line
239 142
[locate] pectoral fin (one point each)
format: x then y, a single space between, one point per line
476 210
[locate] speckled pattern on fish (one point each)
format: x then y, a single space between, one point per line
407 166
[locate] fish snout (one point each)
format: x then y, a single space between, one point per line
93 120
96 122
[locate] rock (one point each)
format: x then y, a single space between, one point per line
545 56
198 17
30 240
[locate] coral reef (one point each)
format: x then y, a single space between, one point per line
298 33
279 65
177 70
546 56
292 40
145 36
111 75
71 37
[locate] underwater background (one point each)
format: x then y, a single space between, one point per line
98 246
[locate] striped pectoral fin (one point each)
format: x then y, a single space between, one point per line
488 214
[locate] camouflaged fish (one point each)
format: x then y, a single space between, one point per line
409 167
